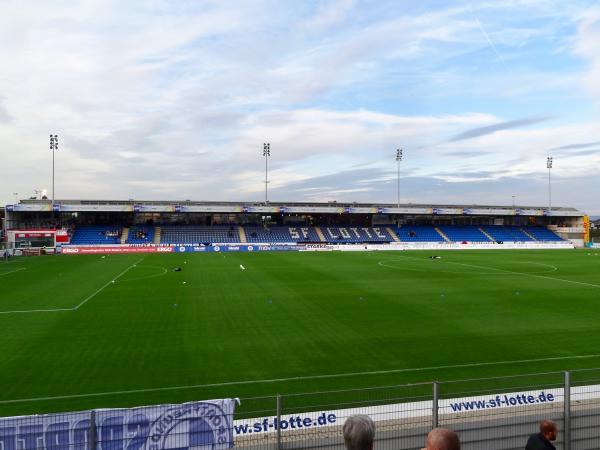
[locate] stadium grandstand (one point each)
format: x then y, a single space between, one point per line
70 223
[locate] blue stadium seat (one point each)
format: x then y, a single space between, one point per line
280 234
352 234
96 235
464 233
543 234
419 233
507 233
195 234
141 234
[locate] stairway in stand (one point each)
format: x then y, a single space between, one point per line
487 235
441 233
392 234
320 234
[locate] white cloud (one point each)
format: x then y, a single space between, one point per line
174 100
587 45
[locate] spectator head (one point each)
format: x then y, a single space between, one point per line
548 429
359 432
442 439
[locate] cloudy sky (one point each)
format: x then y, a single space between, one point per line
173 100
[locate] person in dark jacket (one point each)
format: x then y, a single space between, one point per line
543 439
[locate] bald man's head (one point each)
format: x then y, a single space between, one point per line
442 439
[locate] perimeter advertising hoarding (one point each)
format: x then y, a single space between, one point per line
192 425
236 248
91 250
123 249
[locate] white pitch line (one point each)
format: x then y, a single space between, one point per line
527 274
308 377
13 271
75 308
512 272
35 310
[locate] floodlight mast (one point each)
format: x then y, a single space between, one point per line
53 147
266 154
398 160
549 167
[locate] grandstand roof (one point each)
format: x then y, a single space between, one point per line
188 206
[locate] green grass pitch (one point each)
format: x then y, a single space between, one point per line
72 339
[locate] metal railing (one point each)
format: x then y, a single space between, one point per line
497 413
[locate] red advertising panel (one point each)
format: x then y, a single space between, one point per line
81 250
62 236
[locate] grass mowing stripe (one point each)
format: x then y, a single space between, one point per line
300 378
107 284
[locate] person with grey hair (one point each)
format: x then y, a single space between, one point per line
442 439
359 432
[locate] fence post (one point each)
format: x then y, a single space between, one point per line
567 411
434 407
279 407
92 432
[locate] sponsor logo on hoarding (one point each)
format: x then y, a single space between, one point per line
195 425
395 411
204 424
216 248
115 249
250 248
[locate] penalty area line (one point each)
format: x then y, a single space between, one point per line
13 271
35 310
512 272
75 308
299 378
528 274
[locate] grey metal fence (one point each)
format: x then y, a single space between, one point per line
488 413
497 413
